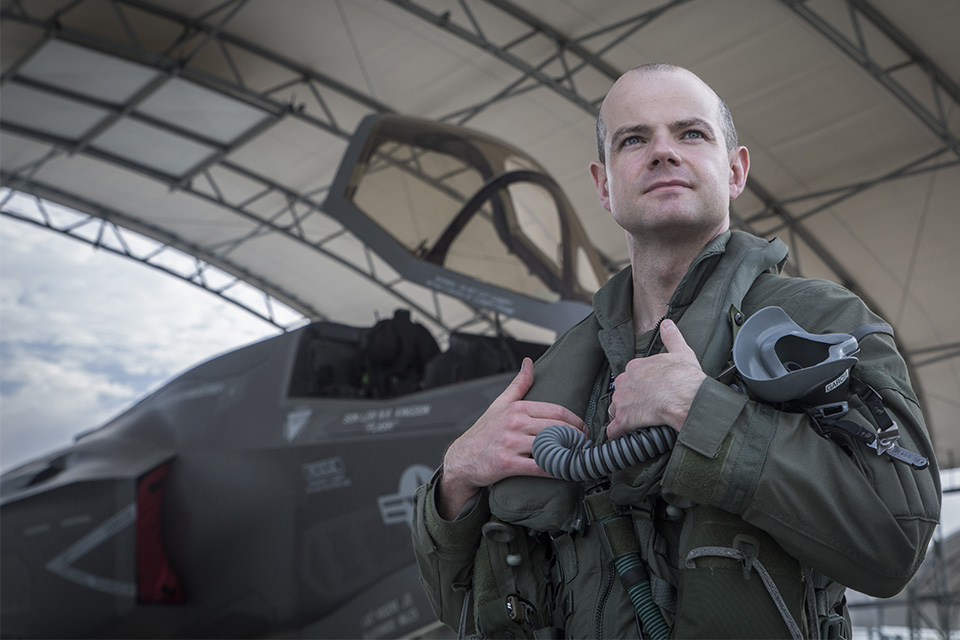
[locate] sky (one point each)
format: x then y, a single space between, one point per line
85 334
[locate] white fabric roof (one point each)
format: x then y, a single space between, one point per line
216 127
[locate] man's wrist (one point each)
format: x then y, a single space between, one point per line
452 494
679 410
461 532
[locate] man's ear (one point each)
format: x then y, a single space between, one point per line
598 171
739 168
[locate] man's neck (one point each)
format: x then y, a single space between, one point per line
658 269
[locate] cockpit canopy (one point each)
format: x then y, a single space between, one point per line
466 215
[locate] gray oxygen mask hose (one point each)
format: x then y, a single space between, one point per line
565 453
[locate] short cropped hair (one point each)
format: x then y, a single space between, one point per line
726 118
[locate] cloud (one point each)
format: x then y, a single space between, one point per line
84 334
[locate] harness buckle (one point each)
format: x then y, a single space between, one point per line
833 627
520 611
831 411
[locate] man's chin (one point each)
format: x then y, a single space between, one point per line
679 229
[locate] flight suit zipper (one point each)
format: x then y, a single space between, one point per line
611 567
604 597
655 335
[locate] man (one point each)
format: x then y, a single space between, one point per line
754 523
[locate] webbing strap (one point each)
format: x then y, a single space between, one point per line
464 615
829 602
664 593
740 556
813 613
598 505
617 527
867 329
884 441
619 532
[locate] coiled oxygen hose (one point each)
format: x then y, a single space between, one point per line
566 453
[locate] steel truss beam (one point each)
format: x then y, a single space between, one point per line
569 57
316 113
106 223
575 57
839 194
944 92
936 353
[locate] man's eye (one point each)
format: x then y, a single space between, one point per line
631 140
693 133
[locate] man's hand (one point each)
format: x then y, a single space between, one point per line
499 444
658 389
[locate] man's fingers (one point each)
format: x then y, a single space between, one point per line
534 427
534 417
554 413
519 387
529 467
520 384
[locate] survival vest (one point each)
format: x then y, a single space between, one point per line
711 573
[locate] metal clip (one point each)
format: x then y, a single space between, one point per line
886 442
904 455
520 611
886 439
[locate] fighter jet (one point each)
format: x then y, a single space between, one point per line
267 492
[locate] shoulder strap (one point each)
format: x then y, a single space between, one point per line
867 329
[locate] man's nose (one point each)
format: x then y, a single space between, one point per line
662 149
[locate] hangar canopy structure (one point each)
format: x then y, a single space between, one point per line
215 127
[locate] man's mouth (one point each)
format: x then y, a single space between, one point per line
662 184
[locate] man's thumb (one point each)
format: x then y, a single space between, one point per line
672 338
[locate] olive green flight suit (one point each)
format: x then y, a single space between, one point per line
755 482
